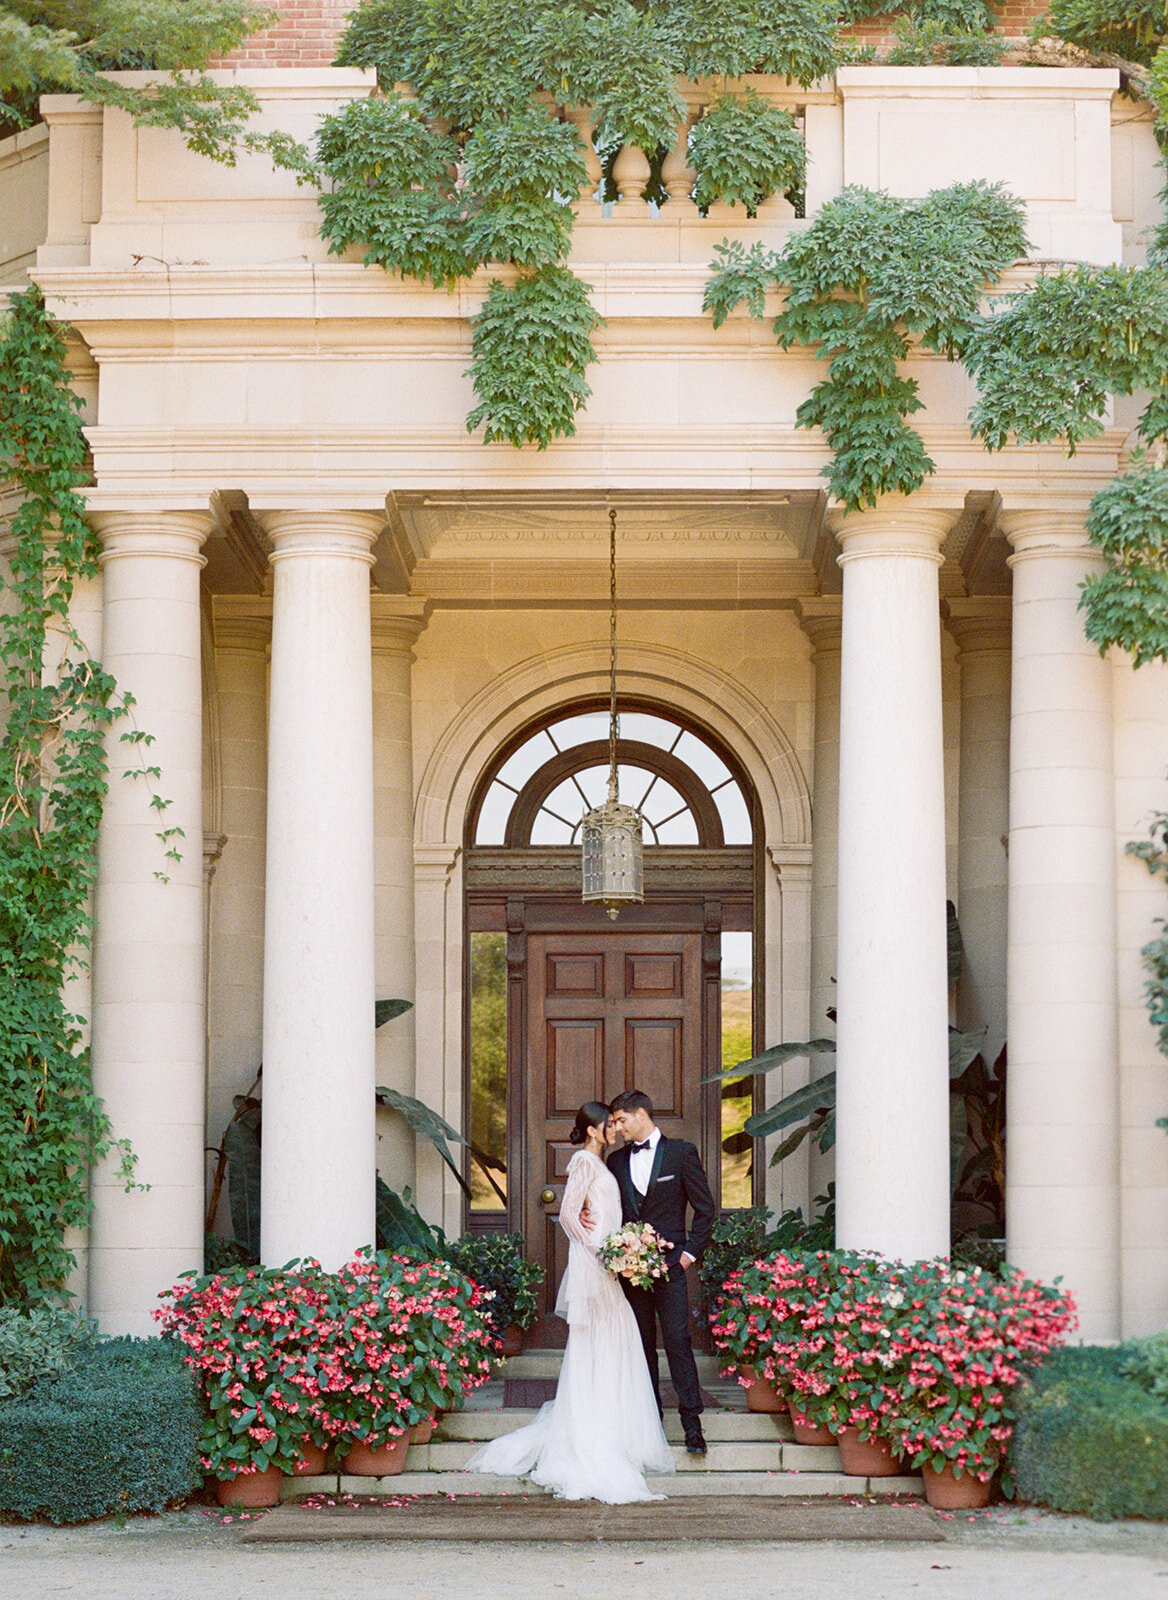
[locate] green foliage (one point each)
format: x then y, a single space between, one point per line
1145 1362
740 1237
532 341
522 176
402 1229
714 38
744 149
496 1262
927 41
1046 359
871 275
1127 605
1134 29
64 46
1090 1439
52 784
117 1433
1153 852
35 1344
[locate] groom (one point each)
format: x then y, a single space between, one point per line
659 1179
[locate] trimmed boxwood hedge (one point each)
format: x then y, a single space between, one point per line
1091 1440
118 1433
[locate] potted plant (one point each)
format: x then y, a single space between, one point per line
252 1336
496 1261
955 1410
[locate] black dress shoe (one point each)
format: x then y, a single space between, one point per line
694 1442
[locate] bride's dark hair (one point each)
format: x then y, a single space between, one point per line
590 1115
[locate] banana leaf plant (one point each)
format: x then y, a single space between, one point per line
237 1159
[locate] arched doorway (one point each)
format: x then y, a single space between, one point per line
564 1005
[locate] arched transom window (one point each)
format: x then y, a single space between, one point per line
682 787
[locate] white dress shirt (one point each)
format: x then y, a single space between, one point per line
641 1163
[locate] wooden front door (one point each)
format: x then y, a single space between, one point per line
606 1011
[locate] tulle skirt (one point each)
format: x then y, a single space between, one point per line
601 1433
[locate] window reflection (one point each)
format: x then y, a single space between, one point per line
488 1066
737 1045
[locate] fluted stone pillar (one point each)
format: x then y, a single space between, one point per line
981 627
242 631
397 622
317 1194
1062 1206
892 1160
148 958
821 620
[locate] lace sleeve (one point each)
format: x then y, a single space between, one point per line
576 1198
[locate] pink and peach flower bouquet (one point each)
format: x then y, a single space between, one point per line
636 1253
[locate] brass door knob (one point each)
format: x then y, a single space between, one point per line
548 1197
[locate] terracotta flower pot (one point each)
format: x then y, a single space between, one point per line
807 1432
512 1340
761 1394
866 1458
311 1461
385 1462
949 1493
251 1488
422 1432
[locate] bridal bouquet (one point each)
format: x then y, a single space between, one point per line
635 1252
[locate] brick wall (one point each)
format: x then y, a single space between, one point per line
308 30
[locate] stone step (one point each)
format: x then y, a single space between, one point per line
718 1426
457 1484
450 1455
546 1364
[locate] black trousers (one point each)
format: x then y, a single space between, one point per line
667 1303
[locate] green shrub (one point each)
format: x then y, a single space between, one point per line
496 1262
118 1433
1146 1362
1090 1440
37 1343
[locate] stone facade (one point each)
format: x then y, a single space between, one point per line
335 608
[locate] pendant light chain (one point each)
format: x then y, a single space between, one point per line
613 720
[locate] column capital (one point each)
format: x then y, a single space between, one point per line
821 619
242 622
179 534
398 621
347 534
896 525
1043 534
979 623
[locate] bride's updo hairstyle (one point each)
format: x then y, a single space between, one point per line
590 1115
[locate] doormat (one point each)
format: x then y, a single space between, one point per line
528 1394
507 1518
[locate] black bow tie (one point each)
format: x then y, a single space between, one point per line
644 1146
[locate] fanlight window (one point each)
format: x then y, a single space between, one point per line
684 790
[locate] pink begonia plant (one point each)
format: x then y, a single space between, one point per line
292 1356
920 1354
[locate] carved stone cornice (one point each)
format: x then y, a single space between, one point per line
556 869
822 621
397 621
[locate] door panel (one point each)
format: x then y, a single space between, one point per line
606 1013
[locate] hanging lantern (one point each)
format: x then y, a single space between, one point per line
610 834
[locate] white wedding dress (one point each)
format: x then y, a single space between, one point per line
601 1433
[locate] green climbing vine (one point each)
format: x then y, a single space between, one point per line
58 707
871 277
466 159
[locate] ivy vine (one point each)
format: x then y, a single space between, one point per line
52 782
466 159
870 277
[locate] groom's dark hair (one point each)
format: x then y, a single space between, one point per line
632 1100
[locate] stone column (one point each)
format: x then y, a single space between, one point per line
317 1193
821 620
893 1090
397 622
981 627
148 958
1062 1206
242 632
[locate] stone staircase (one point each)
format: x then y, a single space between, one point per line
748 1454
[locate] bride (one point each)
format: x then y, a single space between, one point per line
601 1433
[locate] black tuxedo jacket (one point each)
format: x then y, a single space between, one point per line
677 1183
